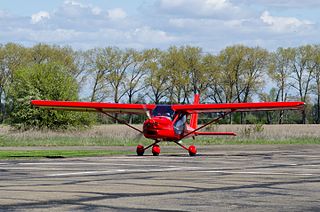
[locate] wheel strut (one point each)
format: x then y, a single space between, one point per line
155 149
192 149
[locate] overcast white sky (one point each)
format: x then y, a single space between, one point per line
210 24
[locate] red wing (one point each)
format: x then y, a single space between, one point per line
238 107
93 106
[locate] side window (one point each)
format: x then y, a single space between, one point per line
180 124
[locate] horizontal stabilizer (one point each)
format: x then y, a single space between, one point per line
215 133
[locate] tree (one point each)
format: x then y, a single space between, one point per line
230 62
120 62
253 73
157 77
279 71
272 96
241 73
81 71
49 81
196 68
303 67
97 68
12 56
178 77
316 88
44 54
133 83
214 79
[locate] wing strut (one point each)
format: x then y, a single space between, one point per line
203 126
119 120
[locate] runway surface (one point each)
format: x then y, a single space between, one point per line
220 178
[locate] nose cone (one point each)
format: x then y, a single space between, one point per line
150 124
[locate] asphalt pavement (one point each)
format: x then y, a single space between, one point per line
220 178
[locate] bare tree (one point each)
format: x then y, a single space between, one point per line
279 71
97 68
157 77
303 68
133 83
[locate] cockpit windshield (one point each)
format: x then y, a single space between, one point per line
163 110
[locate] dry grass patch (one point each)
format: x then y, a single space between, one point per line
120 135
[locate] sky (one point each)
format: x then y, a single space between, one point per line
142 24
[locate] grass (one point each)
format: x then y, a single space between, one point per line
119 135
57 153
67 141
76 141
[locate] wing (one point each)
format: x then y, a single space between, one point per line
93 106
238 107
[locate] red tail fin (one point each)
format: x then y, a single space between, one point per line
194 117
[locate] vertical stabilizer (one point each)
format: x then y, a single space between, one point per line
194 117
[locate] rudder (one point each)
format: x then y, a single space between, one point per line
194 117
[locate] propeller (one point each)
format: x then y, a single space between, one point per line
138 136
148 114
147 111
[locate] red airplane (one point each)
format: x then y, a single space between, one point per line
169 122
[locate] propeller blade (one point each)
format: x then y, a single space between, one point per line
147 112
138 136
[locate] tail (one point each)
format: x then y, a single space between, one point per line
194 116
194 122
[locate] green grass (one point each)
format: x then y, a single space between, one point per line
7 154
67 141
6 141
58 153
116 135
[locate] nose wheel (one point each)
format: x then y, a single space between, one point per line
156 150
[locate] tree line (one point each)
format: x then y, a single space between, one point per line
237 73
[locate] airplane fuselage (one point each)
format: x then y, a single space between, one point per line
163 128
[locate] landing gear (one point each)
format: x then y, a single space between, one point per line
140 150
156 150
192 150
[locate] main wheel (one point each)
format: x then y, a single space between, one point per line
192 150
155 150
140 150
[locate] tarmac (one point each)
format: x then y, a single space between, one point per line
219 178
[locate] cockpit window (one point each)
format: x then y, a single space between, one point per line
163 110
180 124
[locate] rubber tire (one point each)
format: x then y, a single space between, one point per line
155 150
140 150
192 150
